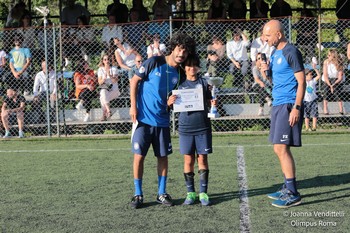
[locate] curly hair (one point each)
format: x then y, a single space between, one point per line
182 40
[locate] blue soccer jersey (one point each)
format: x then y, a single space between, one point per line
158 80
195 122
283 64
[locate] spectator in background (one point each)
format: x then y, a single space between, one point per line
310 98
343 13
135 32
28 32
119 10
217 61
259 45
2 63
85 87
84 38
162 28
333 77
138 63
13 104
156 48
40 88
258 9
16 14
236 51
110 31
262 85
138 6
280 8
20 59
72 11
217 10
108 84
125 57
307 30
237 9
161 10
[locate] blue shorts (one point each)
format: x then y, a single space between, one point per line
280 130
190 144
311 109
145 135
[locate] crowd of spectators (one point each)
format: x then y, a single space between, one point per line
125 41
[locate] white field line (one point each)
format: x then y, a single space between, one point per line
129 148
244 220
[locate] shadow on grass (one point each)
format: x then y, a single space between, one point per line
318 181
217 198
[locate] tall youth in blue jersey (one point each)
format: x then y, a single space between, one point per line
158 80
284 63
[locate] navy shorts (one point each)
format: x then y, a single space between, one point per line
190 144
146 135
280 130
311 109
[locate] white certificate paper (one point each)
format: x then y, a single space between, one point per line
188 100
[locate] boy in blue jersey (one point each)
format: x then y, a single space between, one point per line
288 91
195 134
149 89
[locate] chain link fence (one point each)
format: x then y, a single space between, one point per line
242 106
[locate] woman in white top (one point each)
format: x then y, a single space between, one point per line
157 48
125 57
124 54
108 83
2 61
333 76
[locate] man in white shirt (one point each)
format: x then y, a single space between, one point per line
236 51
40 86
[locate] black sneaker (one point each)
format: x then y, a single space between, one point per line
136 201
165 199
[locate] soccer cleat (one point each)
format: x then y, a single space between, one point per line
289 199
203 197
280 192
190 198
7 135
79 106
136 201
20 134
165 199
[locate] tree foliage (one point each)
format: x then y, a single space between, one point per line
98 7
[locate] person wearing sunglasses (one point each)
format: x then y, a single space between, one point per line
262 85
